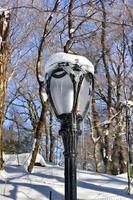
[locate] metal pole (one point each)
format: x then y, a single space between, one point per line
70 139
50 195
128 116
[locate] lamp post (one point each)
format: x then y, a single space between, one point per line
128 126
69 85
128 105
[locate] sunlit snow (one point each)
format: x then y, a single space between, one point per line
17 184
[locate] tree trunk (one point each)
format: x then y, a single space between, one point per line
39 131
96 148
4 60
99 133
46 142
52 138
108 136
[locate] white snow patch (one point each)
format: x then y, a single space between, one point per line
72 30
41 78
23 159
127 103
44 96
6 11
56 58
107 132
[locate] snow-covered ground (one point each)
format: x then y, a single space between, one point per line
17 184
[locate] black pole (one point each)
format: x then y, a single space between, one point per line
50 195
70 139
128 122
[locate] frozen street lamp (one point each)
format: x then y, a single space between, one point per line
69 85
128 105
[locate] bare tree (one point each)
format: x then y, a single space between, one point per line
42 119
4 62
93 29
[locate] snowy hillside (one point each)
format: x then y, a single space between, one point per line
17 184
